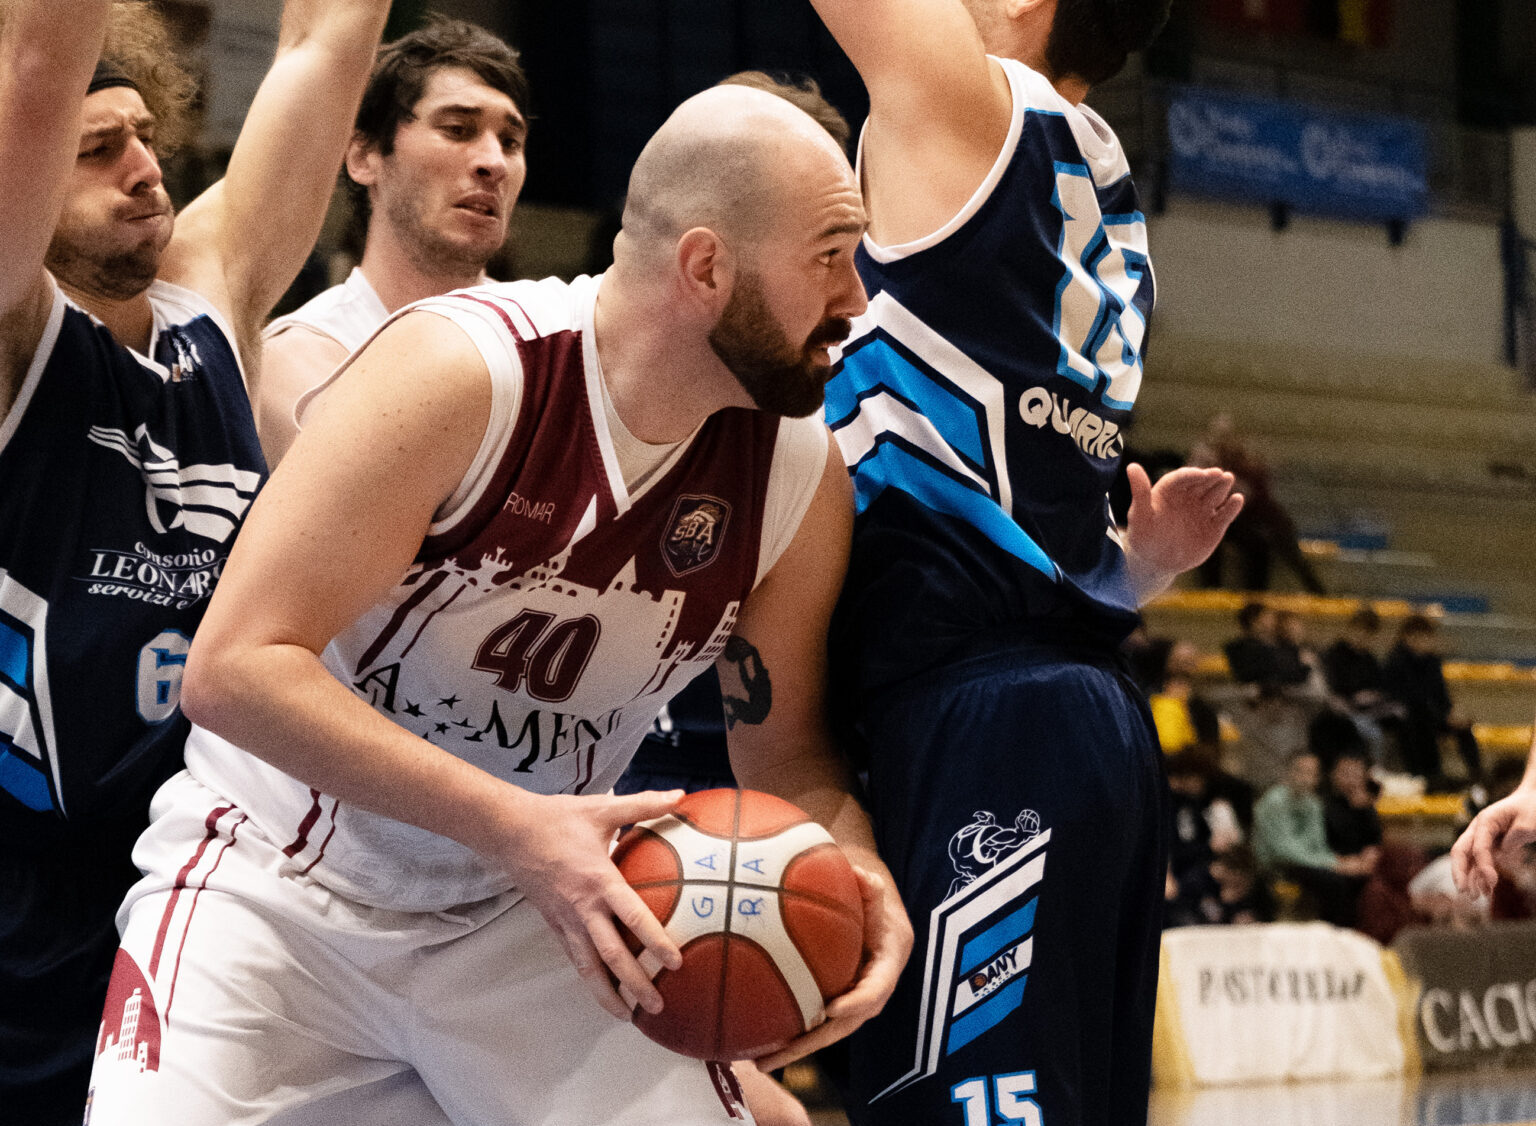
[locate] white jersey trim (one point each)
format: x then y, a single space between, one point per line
799 459
1029 90
29 383
348 313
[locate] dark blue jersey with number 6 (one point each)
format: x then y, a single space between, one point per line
122 482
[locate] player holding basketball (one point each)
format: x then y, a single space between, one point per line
1015 781
515 523
435 166
128 455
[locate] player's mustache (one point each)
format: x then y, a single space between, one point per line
833 330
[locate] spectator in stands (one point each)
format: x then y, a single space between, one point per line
1203 824
1350 821
1414 676
1165 669
1354 676
1263 530
1256 656
1385 907
1242 897
1298 658
1290 840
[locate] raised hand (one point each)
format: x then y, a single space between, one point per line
1175 524
1506 825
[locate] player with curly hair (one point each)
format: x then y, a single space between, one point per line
128 454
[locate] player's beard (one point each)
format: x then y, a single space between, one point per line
76 257
781 378
430 250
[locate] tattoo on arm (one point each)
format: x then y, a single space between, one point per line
753 707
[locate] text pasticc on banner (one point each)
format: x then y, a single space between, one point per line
1276 1002
1476 994
1357 166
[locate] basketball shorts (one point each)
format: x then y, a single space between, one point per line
246 992
57 942
1018 797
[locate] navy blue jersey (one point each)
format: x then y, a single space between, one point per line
980 404
122 483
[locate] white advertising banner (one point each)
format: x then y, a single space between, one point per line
1275 1002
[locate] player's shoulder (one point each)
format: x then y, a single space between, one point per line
347 313
177 305
1094 139
527 309
801 446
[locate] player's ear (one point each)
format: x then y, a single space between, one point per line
1013 9
363 160
705 267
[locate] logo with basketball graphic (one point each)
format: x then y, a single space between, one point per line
695 533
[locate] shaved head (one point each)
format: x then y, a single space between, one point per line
726 159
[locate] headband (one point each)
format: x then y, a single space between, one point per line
108 74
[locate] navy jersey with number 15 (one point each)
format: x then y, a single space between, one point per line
123 479
981 400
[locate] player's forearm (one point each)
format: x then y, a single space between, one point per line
285 161
48 49
279 703
338 26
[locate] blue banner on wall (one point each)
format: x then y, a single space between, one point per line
1354 166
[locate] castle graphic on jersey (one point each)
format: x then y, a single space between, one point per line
980 941
533 698
129 1035
207 500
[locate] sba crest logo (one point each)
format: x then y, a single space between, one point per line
696 531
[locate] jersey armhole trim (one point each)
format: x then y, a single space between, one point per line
979 197
40 358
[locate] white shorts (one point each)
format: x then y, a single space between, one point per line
246 992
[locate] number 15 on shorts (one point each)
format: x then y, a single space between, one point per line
1007 1098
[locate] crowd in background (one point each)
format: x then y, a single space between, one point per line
1274 776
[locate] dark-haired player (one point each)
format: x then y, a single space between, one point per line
434 168
1014 774
128 455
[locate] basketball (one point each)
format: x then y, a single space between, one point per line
766 910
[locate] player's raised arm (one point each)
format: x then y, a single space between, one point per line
243 241
47 51
773 678
938 109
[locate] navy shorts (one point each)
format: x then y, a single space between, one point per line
1018 797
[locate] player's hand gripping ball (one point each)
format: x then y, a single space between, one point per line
766 910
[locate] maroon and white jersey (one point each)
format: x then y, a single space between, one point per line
552 609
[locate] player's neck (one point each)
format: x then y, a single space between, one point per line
663 383
399 278
130 320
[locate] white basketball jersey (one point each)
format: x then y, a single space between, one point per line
348 313
552 613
